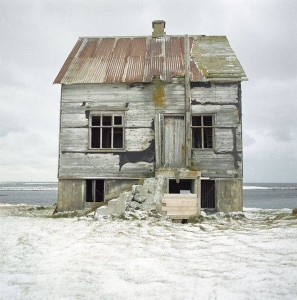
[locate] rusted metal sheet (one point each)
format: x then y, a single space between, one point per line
126 60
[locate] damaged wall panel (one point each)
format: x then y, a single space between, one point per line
138 139
215 93
216 165
92 165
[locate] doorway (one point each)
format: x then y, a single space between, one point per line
208 194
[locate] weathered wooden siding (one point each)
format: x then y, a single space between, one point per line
139 103
224 101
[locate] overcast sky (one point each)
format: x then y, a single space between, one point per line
37 35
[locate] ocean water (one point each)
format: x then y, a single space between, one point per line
255 195
270 195
32 193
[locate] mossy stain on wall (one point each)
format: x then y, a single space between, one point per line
158 93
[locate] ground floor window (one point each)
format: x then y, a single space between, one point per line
208 194
95 190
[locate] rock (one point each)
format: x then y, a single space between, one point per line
149 185
294 212
117 206
134 205
203 214
140 198
102 211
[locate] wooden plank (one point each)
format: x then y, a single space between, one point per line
181 213
180 196
180 209
180 203
180 206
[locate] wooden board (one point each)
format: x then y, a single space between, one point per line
180 206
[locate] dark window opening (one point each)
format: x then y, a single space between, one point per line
185 186
117 120
118 138
96 121
106 120
95 190
106 137
95 141
208 194
202 132
89 191
106 132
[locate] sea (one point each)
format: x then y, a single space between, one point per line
255 195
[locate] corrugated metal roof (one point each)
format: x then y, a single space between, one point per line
139 59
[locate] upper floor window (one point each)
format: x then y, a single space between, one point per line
202 131
107 131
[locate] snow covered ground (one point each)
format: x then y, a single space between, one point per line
224 257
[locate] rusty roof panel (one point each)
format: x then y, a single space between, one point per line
139 59
68 62
134 71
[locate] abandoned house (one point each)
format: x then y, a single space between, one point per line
139 107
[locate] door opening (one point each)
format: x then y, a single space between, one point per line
208 194
185 186
95 190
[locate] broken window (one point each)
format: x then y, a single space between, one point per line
202 131
94 190
107 131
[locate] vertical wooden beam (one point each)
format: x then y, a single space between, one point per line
157 140
187 102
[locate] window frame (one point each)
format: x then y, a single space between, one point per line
102 114
202 126
93 190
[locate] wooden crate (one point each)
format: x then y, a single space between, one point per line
180 206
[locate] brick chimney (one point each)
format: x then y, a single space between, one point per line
158 26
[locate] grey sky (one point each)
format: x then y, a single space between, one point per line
37 35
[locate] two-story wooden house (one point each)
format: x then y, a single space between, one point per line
134 107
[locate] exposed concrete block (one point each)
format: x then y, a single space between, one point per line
159 192
71 195
229 195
